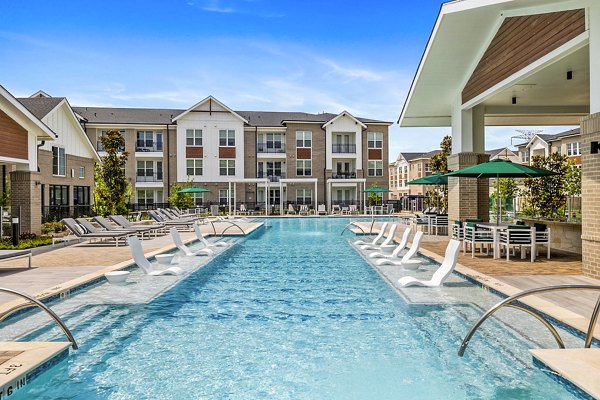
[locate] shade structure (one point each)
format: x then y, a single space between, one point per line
434 179
376 189
194 189
499 168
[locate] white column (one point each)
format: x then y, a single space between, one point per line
468 129
315 201
229 197
594 27
329 197
281 197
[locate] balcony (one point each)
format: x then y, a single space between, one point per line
149 176
271 178
270 147
100 147
148 146
343 148
343 175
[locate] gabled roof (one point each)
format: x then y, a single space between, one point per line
209 99
562 135
40 106
410 156
40 93
47 133
495 152
342 115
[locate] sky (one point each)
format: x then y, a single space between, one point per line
270 55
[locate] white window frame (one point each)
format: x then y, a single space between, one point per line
525 156
229 166
223 196
196 164
81 172
60 167
377 166
304 196
228 135
305 137
375 140
195 135
573 149
302 165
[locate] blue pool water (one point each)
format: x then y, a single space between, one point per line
291 312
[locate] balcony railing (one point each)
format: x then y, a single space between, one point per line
149 177
274 147
271 178
343 148
149 146
100 147
344 175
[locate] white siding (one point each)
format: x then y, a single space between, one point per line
70 134
210 123
343 125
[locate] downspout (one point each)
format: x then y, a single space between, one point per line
37 153
256 165
168 163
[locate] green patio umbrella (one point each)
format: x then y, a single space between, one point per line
434 179
500 168
376 189
194 189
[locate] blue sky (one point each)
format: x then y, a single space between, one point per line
280 55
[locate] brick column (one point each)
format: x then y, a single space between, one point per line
467 197
590 204
26 194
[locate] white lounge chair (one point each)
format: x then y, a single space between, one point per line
377 238
290 209
206 243
414 248
303 209
442 273
184 249
386 243
397 250
142 262
321 210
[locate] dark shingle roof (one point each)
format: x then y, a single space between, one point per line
108 115
410 156
571 132
157 116
40 106
494 152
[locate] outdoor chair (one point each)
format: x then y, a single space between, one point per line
82 233
206 243
518 236
186 250
543 237
169 222
440 222
104 223
414 248
303 209
397 250
385 244
123 222
141 261
321 210
442 273
353 209
475 235
8 255
243 210
458 231
335 209
377 238
290 209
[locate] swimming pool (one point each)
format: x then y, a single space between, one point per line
291 312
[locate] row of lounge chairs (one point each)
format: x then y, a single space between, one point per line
383 242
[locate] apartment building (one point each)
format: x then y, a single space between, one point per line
253 157
503 153
568 142
46 156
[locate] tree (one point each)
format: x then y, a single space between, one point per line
112 189
180 200
572 184
546 197
438 195
373 198
5 196
509 189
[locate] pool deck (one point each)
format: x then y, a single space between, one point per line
573 308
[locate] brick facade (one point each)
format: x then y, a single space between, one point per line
26 196
467 197
72 174
590 210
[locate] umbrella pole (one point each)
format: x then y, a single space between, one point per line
498 202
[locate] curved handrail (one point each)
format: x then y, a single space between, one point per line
231 226
354 224
41 305
508 300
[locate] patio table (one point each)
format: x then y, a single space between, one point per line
495 228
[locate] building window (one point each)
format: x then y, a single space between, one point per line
304 139
145 197
270 169
270 143
226 167
223 196
81 195
375 168
197 198
194 166
573 149
59 161
559 150
304 196
525 156
193 137
59 195
419 167
304 167
103 133
82 172
226 138
149 141
375 140
427 168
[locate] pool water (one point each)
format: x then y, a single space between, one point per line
291 312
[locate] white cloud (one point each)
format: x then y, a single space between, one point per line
351 73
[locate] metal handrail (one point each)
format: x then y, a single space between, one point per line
507 302
231 226
41 305
354 224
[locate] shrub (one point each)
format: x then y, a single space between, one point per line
26 241
52 227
